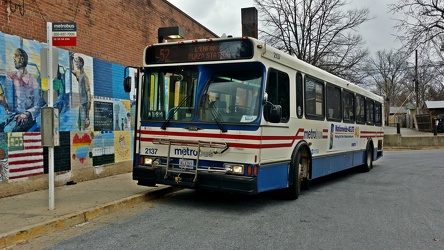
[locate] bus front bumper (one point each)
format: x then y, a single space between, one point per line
147 176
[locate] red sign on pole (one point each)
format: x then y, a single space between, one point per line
63 41
64 34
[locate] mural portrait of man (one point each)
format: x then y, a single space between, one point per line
85 97
25 106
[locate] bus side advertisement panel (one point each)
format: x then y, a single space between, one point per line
343 137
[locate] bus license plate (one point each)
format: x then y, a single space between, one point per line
185 163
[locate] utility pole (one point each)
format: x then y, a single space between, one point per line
416 82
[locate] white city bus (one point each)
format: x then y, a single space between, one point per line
237 115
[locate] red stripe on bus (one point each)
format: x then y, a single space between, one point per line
225 136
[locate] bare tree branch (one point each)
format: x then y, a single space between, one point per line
423 22
319 32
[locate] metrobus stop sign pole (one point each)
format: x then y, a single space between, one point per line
50 105
58 34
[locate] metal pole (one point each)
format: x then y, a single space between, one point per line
416 82
50 104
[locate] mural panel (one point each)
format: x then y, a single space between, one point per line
103 115
82 89
25 156
103 151
81 145
122 146
122 115
4 164
62 154
20 86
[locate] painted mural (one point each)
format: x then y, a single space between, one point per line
103 148
20 85
122 146
4 164
82 89
122 115
96 115
81 155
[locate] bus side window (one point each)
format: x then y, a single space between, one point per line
314 98
369 108
360 109
299 96
278 90
333 100
378 114
348 104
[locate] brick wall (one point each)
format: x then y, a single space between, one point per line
114 30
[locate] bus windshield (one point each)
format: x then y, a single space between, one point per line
207 93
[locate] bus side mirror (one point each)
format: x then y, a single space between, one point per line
127 84
275 114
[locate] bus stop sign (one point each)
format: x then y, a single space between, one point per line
64 34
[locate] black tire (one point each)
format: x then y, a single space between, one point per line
294 189
368 164
305 185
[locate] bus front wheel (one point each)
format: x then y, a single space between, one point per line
294 189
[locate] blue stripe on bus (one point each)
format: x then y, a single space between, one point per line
328 165
272 177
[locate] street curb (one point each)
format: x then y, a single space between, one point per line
33 231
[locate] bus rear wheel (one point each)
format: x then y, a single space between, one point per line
368 164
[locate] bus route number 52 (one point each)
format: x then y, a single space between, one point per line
164 55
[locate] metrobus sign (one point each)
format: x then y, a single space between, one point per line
64 34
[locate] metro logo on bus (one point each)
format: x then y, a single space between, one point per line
312 134
191 152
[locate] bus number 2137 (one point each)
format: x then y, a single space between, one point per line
151 151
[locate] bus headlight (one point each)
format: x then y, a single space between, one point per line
234 168
148 161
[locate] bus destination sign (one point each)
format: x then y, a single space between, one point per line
199 52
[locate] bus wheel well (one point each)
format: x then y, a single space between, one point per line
298 174
306 166
305 162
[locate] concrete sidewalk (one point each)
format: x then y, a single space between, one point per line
406 131
27 216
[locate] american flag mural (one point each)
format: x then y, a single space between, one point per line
25 155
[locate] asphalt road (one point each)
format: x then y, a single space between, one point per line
397 205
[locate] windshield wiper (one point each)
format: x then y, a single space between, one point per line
174 110
216 115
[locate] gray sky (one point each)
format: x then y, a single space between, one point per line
224 16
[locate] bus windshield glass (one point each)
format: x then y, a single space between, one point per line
231 95
227 93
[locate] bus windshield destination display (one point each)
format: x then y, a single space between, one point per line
199 52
